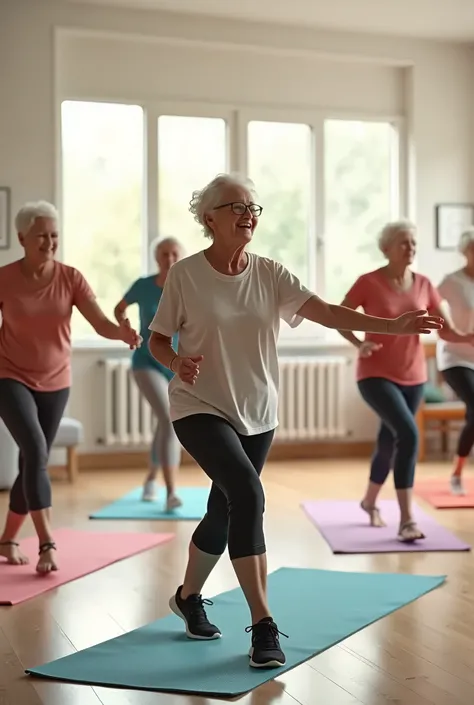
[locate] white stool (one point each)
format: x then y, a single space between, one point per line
9 453
69 436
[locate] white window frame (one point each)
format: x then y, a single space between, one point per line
237 118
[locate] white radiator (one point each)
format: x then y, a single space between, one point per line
129 421
311 404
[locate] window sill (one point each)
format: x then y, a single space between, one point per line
284 345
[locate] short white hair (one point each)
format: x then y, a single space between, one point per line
206 199
465 240
390 231
29 212
165 240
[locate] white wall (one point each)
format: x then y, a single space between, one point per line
435 93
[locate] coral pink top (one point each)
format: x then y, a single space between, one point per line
401 358
35 334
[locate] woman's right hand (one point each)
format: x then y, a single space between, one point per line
187 368
368 347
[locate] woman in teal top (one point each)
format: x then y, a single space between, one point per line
151 377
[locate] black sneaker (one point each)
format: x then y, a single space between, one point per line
194 616
265 651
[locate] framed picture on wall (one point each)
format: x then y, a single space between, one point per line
5 215
452 219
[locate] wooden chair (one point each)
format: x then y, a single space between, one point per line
439 411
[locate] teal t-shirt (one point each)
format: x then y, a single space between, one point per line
146 293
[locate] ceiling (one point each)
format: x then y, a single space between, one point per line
435 19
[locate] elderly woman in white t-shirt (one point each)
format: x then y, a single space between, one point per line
456 360
226 305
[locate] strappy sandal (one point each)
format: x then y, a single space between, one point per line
405 533
373 512
9 543
47 546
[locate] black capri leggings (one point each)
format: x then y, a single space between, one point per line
461 381
236 501
33 419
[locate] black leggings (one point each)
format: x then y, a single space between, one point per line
461 381
236 502
33 419
397 440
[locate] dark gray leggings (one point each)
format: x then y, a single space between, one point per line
236 502
33 420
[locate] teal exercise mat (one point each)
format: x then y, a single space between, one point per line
131 506
316 608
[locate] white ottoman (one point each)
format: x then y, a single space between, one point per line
8 458
69 436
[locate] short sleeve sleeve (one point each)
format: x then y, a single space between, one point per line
132 296
356 297
81 289
291 295
169 316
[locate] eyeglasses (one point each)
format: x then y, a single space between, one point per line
240 208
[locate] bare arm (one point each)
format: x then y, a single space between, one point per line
343 318
161 348
104 327
119 311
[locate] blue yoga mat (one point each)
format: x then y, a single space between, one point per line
131 506
316 608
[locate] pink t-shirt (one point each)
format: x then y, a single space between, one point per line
35 333
401 358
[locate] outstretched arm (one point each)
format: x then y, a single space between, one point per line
343 318
104 327
119 311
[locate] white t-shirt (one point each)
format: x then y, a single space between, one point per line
234 322
458 291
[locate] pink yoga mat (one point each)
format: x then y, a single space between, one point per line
437 492
346 529
79 553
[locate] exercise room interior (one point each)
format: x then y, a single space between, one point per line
346 115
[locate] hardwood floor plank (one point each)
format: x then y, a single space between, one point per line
420 655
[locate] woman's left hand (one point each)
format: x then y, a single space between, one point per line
129 335
415 323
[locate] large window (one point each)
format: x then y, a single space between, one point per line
360 197
191 152
280 164
326 185
102 200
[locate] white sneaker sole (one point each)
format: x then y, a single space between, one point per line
174 608
269 664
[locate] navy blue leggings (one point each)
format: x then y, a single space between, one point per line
397 440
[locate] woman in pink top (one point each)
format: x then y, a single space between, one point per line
391 369
37 295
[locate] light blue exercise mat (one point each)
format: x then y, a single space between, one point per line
316 608
131 506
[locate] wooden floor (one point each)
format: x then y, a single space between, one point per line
421 655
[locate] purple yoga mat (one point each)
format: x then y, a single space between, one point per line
346 529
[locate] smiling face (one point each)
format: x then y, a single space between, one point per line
40 242
167 253
402 249
234 219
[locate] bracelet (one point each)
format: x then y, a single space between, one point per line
171 362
